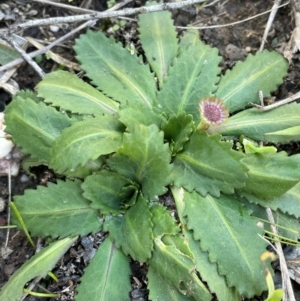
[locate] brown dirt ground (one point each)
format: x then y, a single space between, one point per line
233 43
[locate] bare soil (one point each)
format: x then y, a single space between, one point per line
233 42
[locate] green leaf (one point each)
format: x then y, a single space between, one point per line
207 164
262 72
133 231
144 158
107 277
160 290
177 268
287 225
177 131
289 202
225 240
7 54
258 125
58 210
158 38
67 91
86 140
32 124
163 223
116 72
142 114
271 174
190 37
104 189
284 136
38 265
208 271
188 81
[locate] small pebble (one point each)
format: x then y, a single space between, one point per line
137 293
86 242
54 28
9 269
248 49
24 178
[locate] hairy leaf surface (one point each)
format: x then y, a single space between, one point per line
65 90
107 277
133 231
262 72
144 158
160 290
225 241
177 267
38 265
208 271
271 174
207 164
112 68
257 125
86 140
58 210
178 130
158 38
104 189
188 82
32 124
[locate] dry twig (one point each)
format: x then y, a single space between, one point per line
106 14
273 13
286 281
45 49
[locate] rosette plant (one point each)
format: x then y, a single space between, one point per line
163 124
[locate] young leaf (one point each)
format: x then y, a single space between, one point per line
225 240
144 158
58 210
178 130
65 90
38 265
158 38
133 231
190 37
104 189
131 115
177 268
281 174
262 72
162 221
107 277
188 82
86 140
116 72
273 295
208 165
32 124
257 125
208 271
160 290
